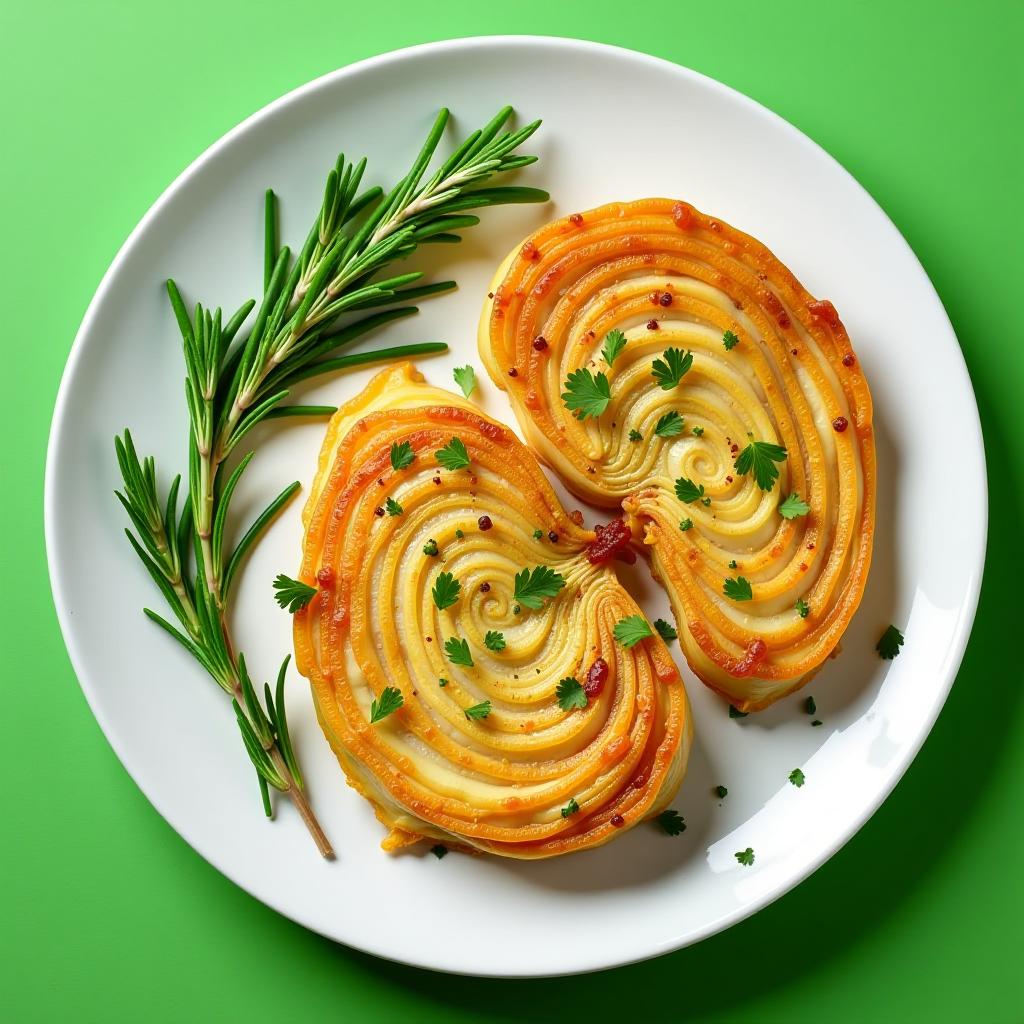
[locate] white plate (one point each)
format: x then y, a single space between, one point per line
617 125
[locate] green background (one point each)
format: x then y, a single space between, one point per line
109 916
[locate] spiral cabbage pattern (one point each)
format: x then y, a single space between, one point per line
529 779
770 364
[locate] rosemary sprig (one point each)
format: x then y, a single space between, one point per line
303 320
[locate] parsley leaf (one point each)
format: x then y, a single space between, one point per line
570 808
393 508
494 641
665 631
532 587
796 776
453 455
570 694
668 372
635 435
446 590
670 425
721 792
802 607
465 377
631 630
794 506
738 589
761 456
477 711
292 594
458 652
439 851
746 857
685 524
389 701
734 712
730 341
401 455
687 490
890 643
614 343
586 394
430 548
671 822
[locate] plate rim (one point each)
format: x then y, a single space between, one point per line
968 609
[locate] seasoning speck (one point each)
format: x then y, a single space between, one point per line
484 522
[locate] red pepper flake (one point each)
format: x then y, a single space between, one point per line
576 516
784 321
840 423
794 351
380 481
325 576
803 567
378 511
540 343
848 359
429 639
529 251
734 448
728 479
484 522
576 220
610 540
617 821
640 781
652 325
437 480
597 676
513 372
810 547
715 226
484 588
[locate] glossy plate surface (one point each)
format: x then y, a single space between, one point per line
617 125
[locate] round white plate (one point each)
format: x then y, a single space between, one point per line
617 125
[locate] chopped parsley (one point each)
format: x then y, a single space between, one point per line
705 501
570 808
802 607
665 631
734 712
635 435
685 524
430 548
889 643
671 822
733 565
809 706
746 857
494 641
538 533
687 490
465 377
794 506
458 652
738 589
532 586
817 721
631 630
730 341
668 372
796 776
439 851
721 792
570 694
760 457
401 455
697 431
459 534
670 425
614 343
446 590
389 701
586 394
453 455
442 682
292 594
478 711
393 508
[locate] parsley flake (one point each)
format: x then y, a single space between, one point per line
292 594
439 851
389 701
688 491
889 643
796 776
393 508
401 455
570 808
631 630
538 533
494 641
721 792
446 590
458 652
738 589
733 565
532 587
698 431
586 394
635 435
746 857
761 456
478 711
671 822
670 425
665 631
614 343
465 377
794 506
730 341
668 372
570 694
809 706
802 607
430 548
453 455
442 682
685 524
